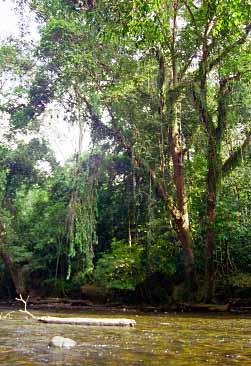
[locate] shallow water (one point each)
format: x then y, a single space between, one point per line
158 339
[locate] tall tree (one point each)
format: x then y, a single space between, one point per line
165 66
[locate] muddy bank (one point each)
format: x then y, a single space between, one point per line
79 304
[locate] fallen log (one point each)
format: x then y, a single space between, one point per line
75 321
81 321
88 321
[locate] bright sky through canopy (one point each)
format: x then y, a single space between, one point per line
63 138
8 20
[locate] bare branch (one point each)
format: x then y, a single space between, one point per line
23 301
7 316
25 311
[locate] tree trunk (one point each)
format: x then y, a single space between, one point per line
213 178
186 242
14 271
180 213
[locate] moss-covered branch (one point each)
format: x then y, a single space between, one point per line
236 157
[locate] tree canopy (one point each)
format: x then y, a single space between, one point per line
162 197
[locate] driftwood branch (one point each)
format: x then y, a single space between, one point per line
76 321
88 321
23 301
7 316
25 311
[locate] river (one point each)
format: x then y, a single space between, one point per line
158 339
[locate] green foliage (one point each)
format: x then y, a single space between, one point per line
82 218
162 255
240 280
121 268
112 212
13 60
233 223
39 96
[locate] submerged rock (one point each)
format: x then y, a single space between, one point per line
62 342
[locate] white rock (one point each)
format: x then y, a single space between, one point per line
62 342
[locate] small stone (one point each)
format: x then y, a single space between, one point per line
62 342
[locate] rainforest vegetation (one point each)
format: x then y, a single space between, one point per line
158 209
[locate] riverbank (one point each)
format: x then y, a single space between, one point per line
79 304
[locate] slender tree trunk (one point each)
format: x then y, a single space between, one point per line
180 212
213 177
214 167
215 136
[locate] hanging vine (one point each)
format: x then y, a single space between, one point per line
82 223
82 214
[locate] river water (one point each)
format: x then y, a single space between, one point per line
158 339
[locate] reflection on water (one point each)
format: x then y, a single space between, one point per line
158 339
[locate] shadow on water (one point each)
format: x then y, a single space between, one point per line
158 339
